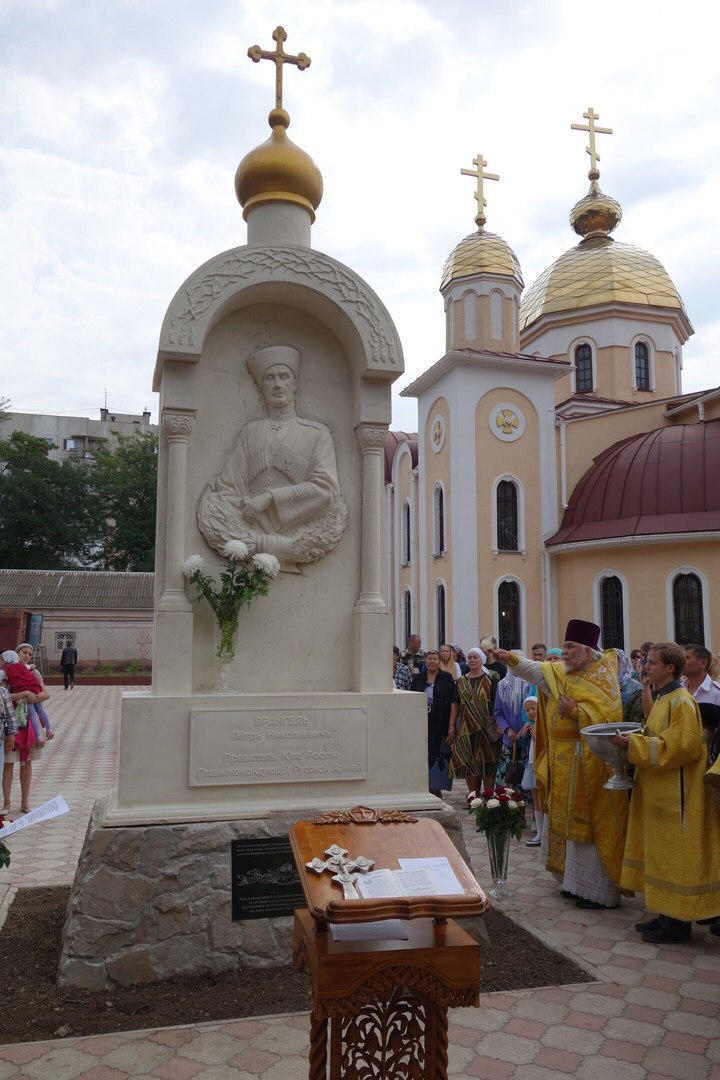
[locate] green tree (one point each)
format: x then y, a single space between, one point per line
46 520
124 483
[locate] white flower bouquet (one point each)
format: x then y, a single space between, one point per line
244 578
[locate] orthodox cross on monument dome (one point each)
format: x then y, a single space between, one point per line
591 116
278 57
342 868
480 175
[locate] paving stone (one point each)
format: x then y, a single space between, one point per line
579 1040
489 1068
547 1012
512 1048
701 990
459 1057
679 1065
634 1031
177 1069
561 1060
597 1004
60 1063
140 1056
693 1024
654 999
601 1068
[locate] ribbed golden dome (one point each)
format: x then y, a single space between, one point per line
481 253
599 271
278 171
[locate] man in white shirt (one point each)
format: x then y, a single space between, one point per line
695 675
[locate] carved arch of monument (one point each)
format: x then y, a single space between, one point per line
309 280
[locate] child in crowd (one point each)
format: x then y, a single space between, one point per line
528 780
36 712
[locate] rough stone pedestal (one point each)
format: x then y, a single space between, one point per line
151 902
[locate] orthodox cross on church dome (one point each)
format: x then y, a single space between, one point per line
480 175
591 116
279 57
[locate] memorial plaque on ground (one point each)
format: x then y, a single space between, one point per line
265 883
246 746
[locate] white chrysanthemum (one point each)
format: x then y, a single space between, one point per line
235 549
511 804
192 564
267 563
492 804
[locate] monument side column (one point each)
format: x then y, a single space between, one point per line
373 628
172 664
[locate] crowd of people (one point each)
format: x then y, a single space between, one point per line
496 716
24 724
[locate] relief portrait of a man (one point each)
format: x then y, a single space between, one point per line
278 490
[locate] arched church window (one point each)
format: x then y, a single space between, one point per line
407 614
439 521
440 613
506 505
406 534
583 369
642 366
508 615
611 613
688 609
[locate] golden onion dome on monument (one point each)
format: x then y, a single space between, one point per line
278 171
481 252
599 270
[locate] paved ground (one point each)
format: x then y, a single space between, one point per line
652 1016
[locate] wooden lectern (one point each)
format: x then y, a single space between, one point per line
386 1001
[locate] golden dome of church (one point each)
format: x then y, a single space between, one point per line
481 253
599 270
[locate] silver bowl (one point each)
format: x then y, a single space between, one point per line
597 737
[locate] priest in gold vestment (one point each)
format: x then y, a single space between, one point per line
672 853
584 827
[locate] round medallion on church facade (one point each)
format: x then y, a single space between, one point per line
507 422
437 434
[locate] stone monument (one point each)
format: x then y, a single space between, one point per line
274 371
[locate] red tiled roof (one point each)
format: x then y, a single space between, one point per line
663 481
394 440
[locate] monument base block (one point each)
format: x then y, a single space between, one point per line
211 757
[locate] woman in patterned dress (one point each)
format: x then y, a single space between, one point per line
472 732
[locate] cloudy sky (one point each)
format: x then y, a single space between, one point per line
122 123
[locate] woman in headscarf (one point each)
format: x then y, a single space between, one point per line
472 732
25 688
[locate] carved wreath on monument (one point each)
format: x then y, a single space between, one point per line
278 490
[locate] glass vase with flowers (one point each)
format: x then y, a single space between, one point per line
500 814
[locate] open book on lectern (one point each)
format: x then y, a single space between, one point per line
416 877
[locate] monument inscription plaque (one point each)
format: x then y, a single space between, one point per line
265 882
246 746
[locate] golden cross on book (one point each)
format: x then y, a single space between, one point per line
279 57
591 116
480 175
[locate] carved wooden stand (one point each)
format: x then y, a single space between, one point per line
386 1001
